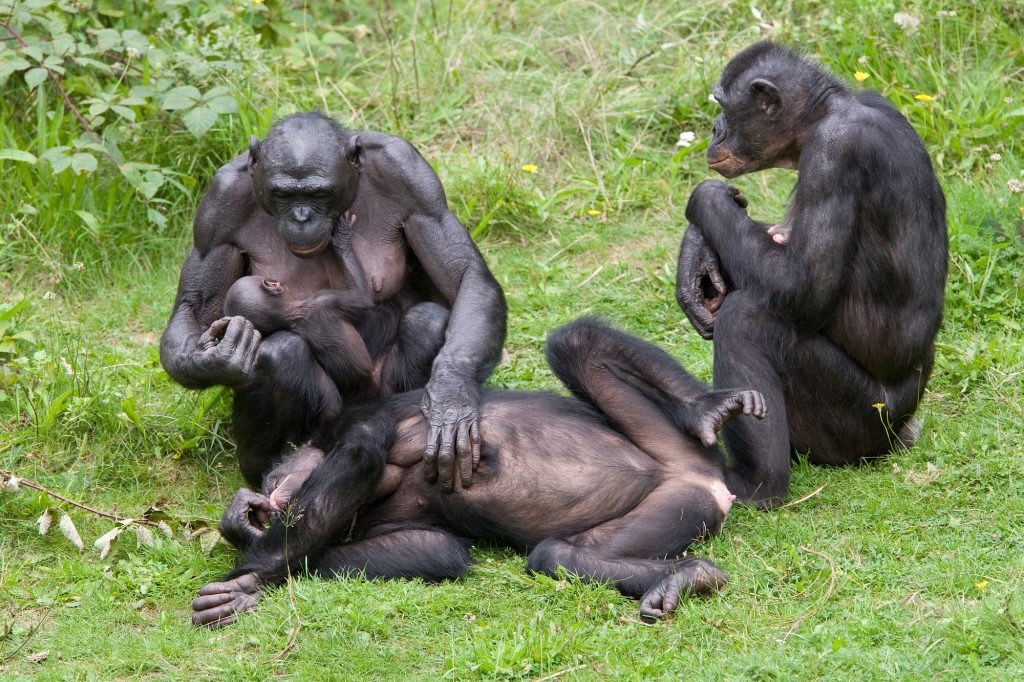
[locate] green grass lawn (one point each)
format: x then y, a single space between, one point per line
908 568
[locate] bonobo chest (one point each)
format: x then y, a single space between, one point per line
267 256
379 245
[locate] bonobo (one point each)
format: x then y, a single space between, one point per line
325 208
611 485
834 310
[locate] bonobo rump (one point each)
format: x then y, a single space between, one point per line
612 484
831 313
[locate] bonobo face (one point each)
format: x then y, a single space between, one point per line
302 176
748 136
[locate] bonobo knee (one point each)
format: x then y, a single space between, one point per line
573 340
424 321
282 352
545 557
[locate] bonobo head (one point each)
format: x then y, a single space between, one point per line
769 96
305 174
264 302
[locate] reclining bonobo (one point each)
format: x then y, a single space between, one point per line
612 485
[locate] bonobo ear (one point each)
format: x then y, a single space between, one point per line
254 151
766 95
354 152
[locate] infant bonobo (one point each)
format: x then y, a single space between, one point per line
332 322
612 484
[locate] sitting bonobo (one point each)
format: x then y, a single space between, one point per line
612 485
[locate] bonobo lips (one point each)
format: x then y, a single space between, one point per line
727 165
309 251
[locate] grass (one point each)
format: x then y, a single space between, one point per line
887 573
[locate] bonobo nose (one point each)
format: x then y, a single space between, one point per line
718 130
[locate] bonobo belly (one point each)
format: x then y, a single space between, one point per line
543 473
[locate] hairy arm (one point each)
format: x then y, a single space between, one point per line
476 325
199 348
807 274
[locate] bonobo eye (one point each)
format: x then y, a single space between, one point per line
321 194
272 286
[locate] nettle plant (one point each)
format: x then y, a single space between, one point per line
172 68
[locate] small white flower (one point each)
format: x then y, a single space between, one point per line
945 13
79 266
49 296
996 157
133 53
686 138
1015 186
863 59
711 97
908 22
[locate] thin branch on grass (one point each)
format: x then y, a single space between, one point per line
566 671
805 497
31 632
288 519
56 81
91 510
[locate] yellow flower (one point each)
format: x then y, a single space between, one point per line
924 98
878 406
593 213
981 585
530 168
860 76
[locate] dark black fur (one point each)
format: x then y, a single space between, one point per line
611 485
325 208
835 309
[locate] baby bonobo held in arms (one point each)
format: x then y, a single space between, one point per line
612 484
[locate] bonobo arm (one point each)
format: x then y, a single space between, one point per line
327 321
476 326
700 287
807 274
199 348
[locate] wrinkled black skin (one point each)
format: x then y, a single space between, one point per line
843 313
326 208
612 485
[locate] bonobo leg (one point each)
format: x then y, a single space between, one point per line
825 401
428 553
322 509
276 410
645 393
421 334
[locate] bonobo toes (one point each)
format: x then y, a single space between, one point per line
711 411
219 604
693 576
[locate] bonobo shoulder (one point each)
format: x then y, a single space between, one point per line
394 163
226 205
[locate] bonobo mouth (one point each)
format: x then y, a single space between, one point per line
308 251
727 165
272 286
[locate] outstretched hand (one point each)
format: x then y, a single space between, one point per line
453 435
226 353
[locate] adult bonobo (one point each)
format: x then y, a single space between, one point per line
835 309
612 485
362 212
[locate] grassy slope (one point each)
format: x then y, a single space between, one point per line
875 577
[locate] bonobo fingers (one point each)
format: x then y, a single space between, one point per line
690 576
710 412
218 604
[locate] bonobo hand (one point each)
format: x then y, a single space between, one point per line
453 438
700 288
713 197
244 519
226 352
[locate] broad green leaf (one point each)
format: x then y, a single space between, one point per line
199 120
83 163
223 105
157 218
17 155
124 112
182 97
91 222
214 93
34 77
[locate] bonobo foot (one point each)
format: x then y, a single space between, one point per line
692 575
706 417
219 604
